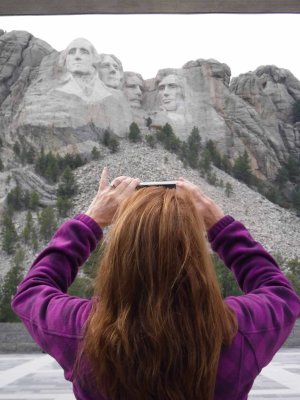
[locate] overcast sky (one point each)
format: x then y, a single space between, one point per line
147 43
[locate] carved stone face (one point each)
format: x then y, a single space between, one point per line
110 72
133 90
170 92
79 58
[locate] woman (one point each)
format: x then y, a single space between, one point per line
157 327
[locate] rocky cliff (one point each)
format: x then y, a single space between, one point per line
64 102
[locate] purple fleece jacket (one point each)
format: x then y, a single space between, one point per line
266 312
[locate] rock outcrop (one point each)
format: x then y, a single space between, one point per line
66 100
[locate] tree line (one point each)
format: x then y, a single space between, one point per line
59 170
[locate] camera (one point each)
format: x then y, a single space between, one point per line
166 184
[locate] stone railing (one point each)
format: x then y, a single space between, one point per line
15 339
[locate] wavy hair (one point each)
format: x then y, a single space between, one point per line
160 322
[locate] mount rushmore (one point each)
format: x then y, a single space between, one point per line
64 101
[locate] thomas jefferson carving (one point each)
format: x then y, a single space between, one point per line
133 88
110 70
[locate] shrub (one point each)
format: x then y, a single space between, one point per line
9 286
228 284
9 234
242 169
95 153
47 222
228 189
114 145
168 138
134 133
151 141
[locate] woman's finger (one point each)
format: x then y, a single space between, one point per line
131 186
185 184
122 185
116 182
103 178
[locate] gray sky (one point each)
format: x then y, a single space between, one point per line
147 43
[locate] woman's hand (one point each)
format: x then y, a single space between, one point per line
207 208
109 197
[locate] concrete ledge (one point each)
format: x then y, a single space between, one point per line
15 339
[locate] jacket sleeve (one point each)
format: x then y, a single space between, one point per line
42 302
267 312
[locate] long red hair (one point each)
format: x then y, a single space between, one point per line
160 322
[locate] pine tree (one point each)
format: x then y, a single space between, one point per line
113 145
66 190
52 168
228 284
194 140
95 153
193 148
15 198
293 273
183 154
134 133
33 200
48 223
151 141
106 137
293 168
40 163
148 122
34 239
212 178
30 155
91 265
27 231
242 169
214 153
205 162
78 161
282 177
296 199
63 205
17 148
168 138
9 286
226 164
228 189
26 199
68 186
1 165
9 234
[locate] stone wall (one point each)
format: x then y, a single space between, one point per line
15 339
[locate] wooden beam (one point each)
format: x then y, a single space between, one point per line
56 7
